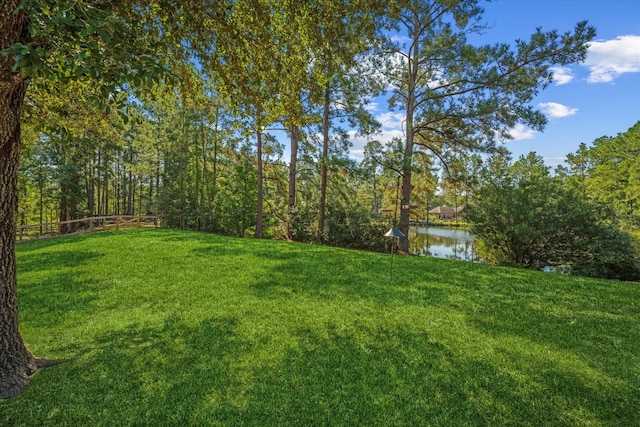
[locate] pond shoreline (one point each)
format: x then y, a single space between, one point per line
443 242
440 224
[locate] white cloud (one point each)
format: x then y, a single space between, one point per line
391 120
401 40
555 110
371 107
521 132
358 142
562 75
609 58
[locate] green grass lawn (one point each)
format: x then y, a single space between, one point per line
166 328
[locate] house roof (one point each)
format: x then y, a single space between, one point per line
443 210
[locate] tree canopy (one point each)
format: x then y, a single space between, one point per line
609 171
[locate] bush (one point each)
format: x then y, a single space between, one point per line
529 218
356 228
352 227
610 254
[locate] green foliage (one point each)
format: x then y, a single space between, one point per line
609 253
355 227
529 218
460 96
114 45
260 62
609 171
177 328
235 206
350 223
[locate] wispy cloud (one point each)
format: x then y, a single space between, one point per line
391 120
371 107
521 132
556 111
400 39
610 58
562 75
359 142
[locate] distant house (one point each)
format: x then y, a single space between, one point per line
445 212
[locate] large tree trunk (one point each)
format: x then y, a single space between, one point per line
403 244
17 364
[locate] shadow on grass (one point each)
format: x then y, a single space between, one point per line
210 374
391 377
31 262
579 344
57 275
223 370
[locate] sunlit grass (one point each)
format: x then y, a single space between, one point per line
165 327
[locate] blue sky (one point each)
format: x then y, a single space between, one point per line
598 97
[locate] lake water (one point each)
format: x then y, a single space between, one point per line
439 242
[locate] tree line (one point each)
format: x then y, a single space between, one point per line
195 163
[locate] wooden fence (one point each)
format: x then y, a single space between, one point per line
85 225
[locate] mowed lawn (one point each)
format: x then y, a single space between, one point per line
170 328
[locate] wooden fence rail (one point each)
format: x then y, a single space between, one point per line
85 225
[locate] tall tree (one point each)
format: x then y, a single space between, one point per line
345 31
614 176
248 69
455 93
113 43
16 362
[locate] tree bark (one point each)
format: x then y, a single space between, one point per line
214 166
295 135
324 162
405 203
17 364
260 195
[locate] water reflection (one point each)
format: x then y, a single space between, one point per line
443 243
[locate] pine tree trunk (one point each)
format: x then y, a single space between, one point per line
376 209
324 168
405 203
260 195
214 167
295 134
